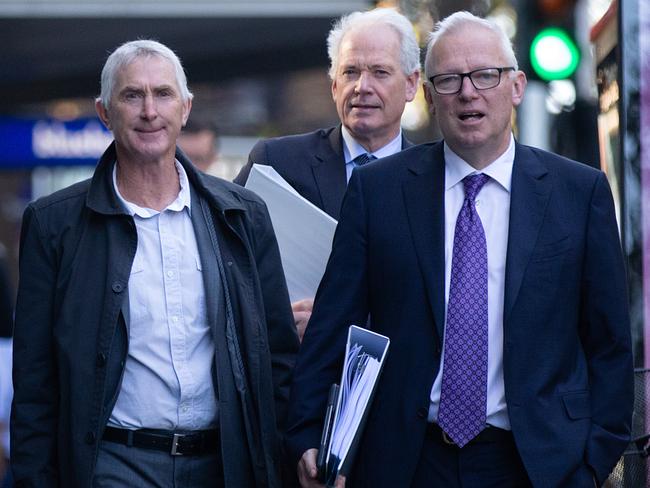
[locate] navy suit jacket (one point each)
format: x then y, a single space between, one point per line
313 164
567 356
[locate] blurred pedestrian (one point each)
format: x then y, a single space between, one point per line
6 387
199 141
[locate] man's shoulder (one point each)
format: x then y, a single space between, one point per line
287 150
70 196
229 195
307 139
555 163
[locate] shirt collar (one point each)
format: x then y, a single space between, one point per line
182 199
352 149
499 170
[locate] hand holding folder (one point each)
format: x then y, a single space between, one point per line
349 404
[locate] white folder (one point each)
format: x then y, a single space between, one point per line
304 232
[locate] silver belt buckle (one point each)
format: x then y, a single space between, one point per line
175 439
446 439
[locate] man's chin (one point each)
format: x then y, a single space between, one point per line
150 152
363 127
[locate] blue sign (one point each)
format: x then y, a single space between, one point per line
50 142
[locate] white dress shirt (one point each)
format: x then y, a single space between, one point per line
352 149
167 381
493 207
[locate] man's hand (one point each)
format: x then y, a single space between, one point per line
308 473
301 314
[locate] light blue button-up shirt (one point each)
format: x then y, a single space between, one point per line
167 381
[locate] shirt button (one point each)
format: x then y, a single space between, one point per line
174 319
170 274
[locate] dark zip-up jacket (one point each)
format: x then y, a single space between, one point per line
71 340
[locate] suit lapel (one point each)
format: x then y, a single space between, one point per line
424 194
530 191
329 172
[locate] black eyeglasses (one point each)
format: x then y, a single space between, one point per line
482 79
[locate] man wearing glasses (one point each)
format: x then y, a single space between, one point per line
496 270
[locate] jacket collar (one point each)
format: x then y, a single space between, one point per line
102 198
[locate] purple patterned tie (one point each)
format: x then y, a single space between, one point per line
464 378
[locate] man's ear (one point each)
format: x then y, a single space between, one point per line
334 87
428 96
187 108
102 113
518 87
412 85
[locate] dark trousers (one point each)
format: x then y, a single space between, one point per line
120 466
494 462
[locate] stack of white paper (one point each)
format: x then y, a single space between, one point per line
304 232
365 354
360 374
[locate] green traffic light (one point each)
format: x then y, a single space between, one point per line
553 54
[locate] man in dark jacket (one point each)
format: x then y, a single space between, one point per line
154 339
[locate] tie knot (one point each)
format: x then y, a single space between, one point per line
363 158
473 184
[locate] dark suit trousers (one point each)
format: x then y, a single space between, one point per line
493 463
120 466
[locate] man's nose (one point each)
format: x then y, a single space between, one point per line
149 109
467 88
364 82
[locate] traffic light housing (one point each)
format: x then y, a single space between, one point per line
548 41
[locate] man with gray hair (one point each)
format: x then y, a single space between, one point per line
496 271
153 334
375 69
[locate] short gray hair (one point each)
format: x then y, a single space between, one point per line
129 52
460 19
409 49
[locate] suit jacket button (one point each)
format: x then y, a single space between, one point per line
117 287
423 412
90 437
101 359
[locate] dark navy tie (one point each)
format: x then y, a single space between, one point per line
463 396
363 158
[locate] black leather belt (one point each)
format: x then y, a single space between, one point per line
489 434
188 443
